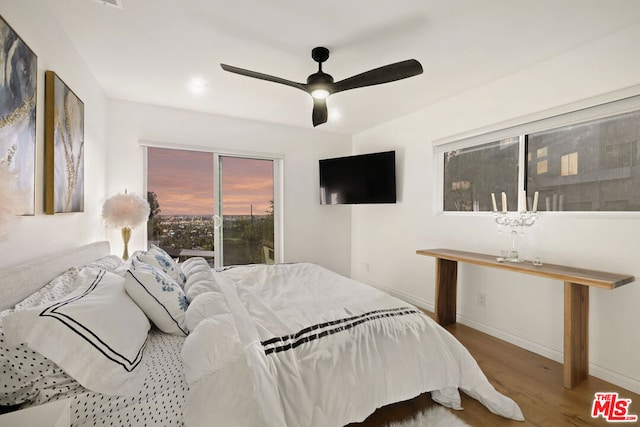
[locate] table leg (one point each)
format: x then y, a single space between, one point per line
446 289
576 334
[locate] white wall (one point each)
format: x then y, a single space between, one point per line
113 158
522 309
42 234
313 233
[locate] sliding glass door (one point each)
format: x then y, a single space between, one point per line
247 210
219 207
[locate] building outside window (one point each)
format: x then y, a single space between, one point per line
472 174
586 166
592 166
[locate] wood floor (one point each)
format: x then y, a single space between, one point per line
533 381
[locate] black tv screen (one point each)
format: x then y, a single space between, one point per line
365 178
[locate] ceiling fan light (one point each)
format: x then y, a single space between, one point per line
320 93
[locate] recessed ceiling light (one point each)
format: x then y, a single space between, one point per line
335 115
113 3
198 85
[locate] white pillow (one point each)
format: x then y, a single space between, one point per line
195 264
200 277
96 333
159 258
121 270
158 295
28 376
107 262
204 306
57 288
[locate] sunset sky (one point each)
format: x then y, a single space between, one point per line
183 182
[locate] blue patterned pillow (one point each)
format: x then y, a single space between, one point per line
159 258
158 295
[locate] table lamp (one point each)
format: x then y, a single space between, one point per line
125 211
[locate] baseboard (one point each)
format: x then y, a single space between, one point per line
597 371
411 299
615 378
544 351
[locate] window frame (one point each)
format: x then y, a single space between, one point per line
604 106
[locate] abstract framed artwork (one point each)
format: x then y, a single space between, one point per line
63 147
19 68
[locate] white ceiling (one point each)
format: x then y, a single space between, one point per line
150 49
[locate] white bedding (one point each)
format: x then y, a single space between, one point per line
285 345
159 402
32 379
297 345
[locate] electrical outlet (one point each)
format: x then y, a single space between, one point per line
482 300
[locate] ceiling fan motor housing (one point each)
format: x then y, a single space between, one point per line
320 84
319 80
320 54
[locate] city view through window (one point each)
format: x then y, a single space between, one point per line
181 187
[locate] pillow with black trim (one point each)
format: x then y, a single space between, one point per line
160 258
158 295
28 376
96 334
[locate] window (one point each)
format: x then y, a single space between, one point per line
468 187
591 164
569 164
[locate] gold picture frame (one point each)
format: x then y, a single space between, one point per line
63 147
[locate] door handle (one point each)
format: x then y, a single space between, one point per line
217 221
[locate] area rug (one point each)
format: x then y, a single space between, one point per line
436 416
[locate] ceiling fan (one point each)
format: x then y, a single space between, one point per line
320 85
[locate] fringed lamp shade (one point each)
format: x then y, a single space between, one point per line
11 201
125 211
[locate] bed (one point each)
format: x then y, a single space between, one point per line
155 342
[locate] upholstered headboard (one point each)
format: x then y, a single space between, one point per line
20 281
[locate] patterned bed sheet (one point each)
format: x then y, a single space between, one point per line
159 403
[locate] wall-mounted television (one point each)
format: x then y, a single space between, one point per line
364 178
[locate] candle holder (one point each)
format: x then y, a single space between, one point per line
515 222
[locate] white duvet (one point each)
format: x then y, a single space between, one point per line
298 345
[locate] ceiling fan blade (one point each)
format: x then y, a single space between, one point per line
262 76
320 113
385 74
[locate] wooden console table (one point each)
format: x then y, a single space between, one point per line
576 299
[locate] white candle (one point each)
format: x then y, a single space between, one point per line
535 202
523 202
504 202
493 200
